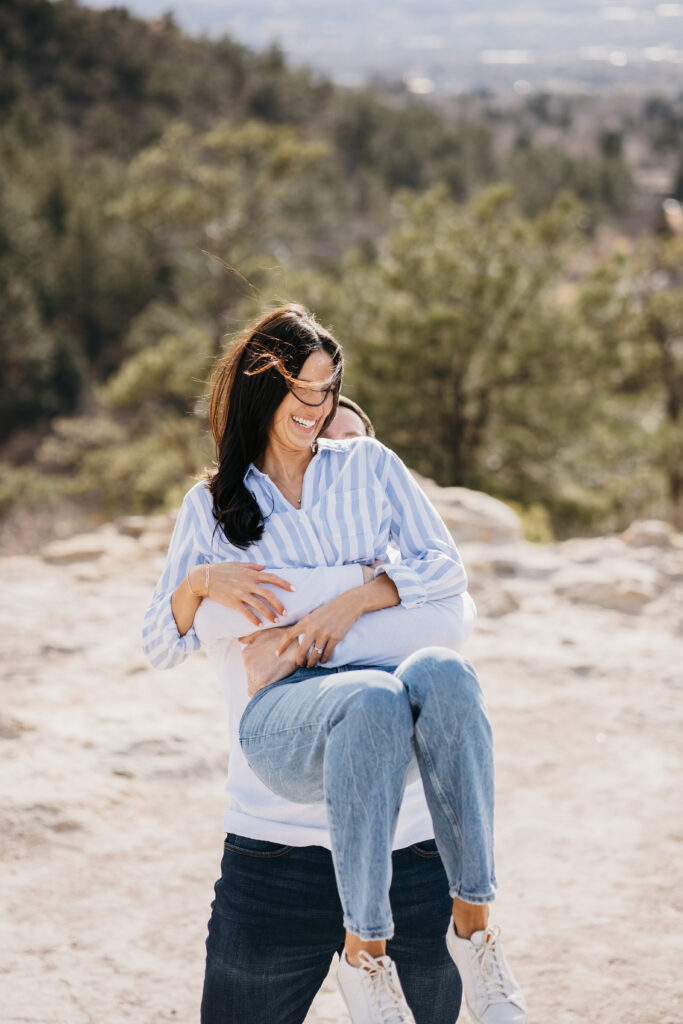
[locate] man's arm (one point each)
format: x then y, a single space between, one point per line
388 636
381 638
313 586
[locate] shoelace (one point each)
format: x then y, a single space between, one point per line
387 998
491 969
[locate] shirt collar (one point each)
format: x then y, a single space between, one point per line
251 471
323 444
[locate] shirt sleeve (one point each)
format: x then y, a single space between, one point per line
162 644
386 637
430 568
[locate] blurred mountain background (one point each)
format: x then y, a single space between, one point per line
499 249
471 44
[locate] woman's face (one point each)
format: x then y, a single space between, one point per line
298 420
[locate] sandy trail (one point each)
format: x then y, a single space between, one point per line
110 823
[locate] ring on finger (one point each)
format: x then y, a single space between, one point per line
318 649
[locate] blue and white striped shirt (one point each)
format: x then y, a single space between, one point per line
357 497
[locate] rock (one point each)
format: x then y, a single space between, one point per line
492 599
88 547
138 526
123 540
11 728
523 560
67 825
155 540
671 565
587 550
83 548
620 585
87 572
472 515
653 533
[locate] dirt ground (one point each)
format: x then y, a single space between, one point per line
110 822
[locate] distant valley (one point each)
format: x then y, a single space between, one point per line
584 45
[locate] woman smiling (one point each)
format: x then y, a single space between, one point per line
363 727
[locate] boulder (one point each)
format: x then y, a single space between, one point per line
652 533
622 585
88 547
522 560
492 599
591 550
473 515
155 540
137 526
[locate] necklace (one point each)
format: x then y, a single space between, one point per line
285 490
288 494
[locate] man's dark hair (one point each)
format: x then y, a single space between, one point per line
348 403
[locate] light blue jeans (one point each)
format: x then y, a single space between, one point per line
352 738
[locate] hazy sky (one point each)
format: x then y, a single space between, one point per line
350 39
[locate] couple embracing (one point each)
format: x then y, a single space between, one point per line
332 601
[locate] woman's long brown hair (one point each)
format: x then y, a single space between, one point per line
248 383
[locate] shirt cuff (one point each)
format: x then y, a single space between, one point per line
186 643
410 587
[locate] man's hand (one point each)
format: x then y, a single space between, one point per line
261 661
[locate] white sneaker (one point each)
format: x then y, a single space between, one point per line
491 991
372 992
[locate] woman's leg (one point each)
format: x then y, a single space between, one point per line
345 738
286 741
454 753
334 736
454 750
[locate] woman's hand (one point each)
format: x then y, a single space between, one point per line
242 585
320 631
262 664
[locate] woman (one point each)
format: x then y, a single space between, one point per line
326 734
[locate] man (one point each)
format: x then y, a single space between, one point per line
277 918
349 421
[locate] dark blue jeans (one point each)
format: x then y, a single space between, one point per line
276 923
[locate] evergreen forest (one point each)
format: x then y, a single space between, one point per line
505 273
